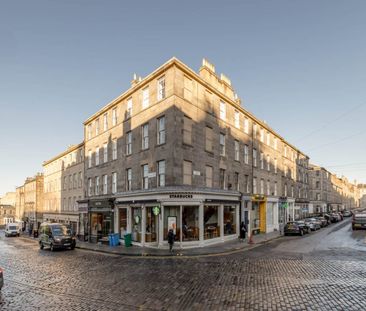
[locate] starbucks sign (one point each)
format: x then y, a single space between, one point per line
156 210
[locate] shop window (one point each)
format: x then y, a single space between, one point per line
151 225
190 223
123 222
230 226
172 220
101 225
136 224
211 222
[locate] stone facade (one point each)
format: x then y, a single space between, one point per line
33 200
330 192
64 186
19 203
7 214
211 148
8 199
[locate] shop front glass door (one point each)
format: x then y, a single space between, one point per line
122 222
136 224
151 226
172 220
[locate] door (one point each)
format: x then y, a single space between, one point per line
262 217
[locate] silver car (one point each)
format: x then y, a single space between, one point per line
313 223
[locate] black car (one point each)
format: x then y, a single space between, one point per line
296 227
55 235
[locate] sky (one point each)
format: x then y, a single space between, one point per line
298 65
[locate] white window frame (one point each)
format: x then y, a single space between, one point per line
90 159
161 88
97 185
236 150
161 130
105 153
114 116
246 154
255 185
262 186
129 143
145 98
96 127
145 136
268 163
237 119
105 122
261 160
114 182
222 110
145 176
246 125
129 179
161 173
105 184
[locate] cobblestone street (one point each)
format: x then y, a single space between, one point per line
325 270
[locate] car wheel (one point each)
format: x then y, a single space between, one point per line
51 247
41 246
72 247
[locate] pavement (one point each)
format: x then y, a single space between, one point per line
323 270
216 249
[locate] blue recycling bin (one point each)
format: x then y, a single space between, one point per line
113 239
116 239
110 239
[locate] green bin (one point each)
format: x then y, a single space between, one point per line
128 240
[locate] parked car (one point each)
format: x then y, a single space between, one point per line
55 235
359 221
347 214
294 227
1 278
306 228
334 217
11 229
323 221
313 223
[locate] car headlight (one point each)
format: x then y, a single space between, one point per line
57 240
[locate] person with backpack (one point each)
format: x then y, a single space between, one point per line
171 237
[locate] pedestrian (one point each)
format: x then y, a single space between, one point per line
243 231
171 237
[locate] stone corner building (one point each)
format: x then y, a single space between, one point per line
177 150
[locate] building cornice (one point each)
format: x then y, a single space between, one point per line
71 149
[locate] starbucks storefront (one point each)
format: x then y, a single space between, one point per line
197 218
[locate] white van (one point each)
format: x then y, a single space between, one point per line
11 229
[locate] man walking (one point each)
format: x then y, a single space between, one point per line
171 237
